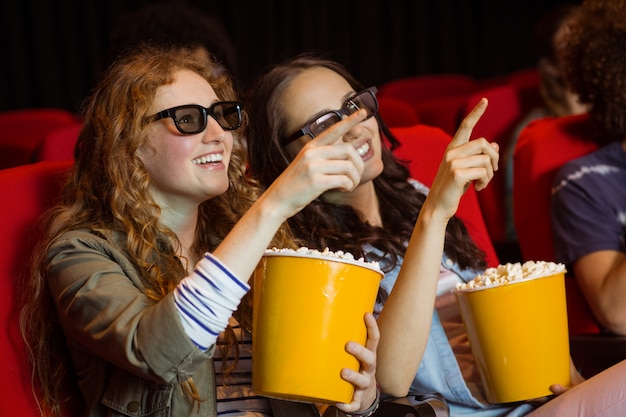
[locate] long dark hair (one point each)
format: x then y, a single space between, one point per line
339 227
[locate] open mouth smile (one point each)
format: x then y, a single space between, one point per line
212 158
363 149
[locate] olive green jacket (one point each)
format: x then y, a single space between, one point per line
131 356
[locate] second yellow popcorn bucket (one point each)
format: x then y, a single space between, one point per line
518 332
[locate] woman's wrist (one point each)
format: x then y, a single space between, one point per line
370 410
431 213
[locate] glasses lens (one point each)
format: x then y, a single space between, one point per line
324 122
364 100
227 114
190 119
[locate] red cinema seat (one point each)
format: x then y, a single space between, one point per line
27 192
21 132
59 144
421 88
396 112
437 98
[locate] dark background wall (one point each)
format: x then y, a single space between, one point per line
54 50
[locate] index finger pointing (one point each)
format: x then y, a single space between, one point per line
464 132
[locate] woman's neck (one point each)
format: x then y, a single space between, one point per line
184 226
363 199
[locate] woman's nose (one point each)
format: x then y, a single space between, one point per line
213 132
353 133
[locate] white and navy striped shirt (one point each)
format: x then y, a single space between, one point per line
205 301
234 391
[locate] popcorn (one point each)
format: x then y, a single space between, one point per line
503 274
326 252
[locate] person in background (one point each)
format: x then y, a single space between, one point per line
149 253
389 217
173 24
589 193
558 99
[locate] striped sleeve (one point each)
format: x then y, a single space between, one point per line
206 299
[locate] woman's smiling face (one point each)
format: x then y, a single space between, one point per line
318 90
184 167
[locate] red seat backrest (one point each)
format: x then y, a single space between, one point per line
27 191
59 144
542 148
396 112
21 132
527 83
424 146
421 88
436 98
444 112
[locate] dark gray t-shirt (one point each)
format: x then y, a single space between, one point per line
589 204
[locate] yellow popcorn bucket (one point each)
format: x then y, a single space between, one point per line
306 308
519 336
